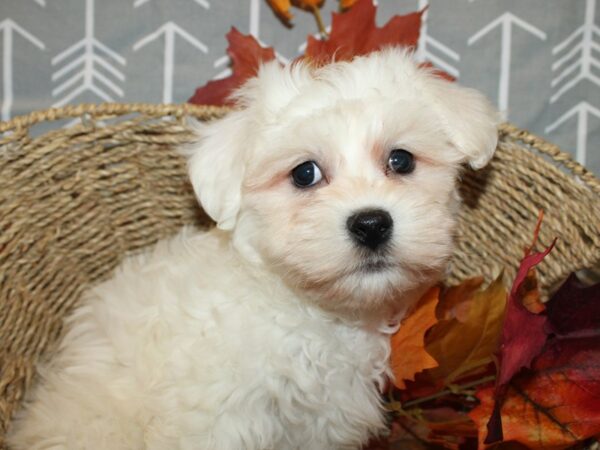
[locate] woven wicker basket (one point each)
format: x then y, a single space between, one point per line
75 200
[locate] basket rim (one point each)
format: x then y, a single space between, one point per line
506 129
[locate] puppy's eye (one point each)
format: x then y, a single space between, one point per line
401 161
306 174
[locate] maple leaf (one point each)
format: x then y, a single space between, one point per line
355 33
529 292
456 300
402 435
429 428
574 308
408 355
448 427
557 403
467 342
246 56
522 338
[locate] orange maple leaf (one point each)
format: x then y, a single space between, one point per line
282 7
456 300
529 292
308 5
440 426
408 343
467 343
347 4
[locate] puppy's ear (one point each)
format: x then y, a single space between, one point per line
469 120
217 162
216 166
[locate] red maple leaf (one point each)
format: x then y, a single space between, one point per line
557 403
355 33
246 56
522 337
574 309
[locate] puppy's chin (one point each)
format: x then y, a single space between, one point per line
369 289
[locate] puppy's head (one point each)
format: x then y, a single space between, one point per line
342 178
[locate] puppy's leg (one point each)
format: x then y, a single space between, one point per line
55 422
78 403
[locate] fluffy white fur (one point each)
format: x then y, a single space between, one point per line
268 332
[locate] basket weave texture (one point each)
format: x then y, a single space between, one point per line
75 200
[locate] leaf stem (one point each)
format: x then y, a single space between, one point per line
317 13
445 392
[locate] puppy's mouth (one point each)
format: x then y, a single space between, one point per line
373 266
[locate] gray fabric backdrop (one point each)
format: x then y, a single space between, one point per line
539 60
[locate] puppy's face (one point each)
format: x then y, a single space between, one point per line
342 179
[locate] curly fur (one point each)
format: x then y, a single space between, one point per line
267 332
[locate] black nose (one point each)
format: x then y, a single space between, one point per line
371 228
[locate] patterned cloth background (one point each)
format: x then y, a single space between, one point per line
539 60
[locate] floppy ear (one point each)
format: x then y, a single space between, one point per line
469 119
216 166
217 161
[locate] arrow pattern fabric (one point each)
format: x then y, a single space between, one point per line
538 60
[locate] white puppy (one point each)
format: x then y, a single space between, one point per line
334 193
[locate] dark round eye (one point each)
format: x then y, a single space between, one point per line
306 174
401 161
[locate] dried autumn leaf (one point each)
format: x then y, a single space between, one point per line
448 428
402 436
460 346
521 340
347 4
355 33
456 300
529 292
408 343
281 8
352 33
308 5
557 404
569 368
429 428
246 55
574 308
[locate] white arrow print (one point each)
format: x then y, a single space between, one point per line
254 31
170 30
505 21
202 3
587 32
425 41
254 18
7 26
87 61
583 110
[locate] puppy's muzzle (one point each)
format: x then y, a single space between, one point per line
370 228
